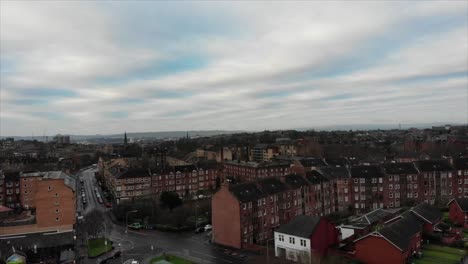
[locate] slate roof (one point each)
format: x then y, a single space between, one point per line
12 176
335 172
41 240
185 168
428 212
461 164
400 168
133 173
341 162
315 177
433 165
271 186
366 172
312 162
246 192
400 232
301 226
463 203
372 217
295 181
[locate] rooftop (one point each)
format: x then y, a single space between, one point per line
400 168
429 213
366 172
433 165
300 226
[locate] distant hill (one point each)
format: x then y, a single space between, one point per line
139 135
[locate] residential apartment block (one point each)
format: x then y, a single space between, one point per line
251 171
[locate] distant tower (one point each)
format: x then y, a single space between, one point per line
125 138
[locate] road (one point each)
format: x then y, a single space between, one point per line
142 245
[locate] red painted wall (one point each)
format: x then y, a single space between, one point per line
455 213
377 250
325 235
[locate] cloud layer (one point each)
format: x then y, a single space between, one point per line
106 67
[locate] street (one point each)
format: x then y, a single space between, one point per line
142 245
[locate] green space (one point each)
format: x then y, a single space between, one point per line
97 247
171 259
433 254
445 216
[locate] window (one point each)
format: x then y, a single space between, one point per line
355 180
291 240
303 243
57 219
390 186
281 238
244 206
49 188
56 195
57 211
390 178
380 180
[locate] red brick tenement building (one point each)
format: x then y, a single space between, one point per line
251 171
402 185
247 213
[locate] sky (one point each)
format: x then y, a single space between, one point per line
89 67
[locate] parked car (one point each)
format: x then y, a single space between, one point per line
135 226
108 205
208 227
150 226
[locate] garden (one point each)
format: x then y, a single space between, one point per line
433 254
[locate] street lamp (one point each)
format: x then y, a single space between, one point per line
126 219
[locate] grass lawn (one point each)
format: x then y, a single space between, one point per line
172 259
445 215
433 254
96 247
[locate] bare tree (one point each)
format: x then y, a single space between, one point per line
94 223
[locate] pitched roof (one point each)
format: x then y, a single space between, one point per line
12 176
433 165
366 172
463 203
461 164
427 212
133 173
301 226
312 162
315 177
399 233
246 192
400 168
335 172
295 181
372 217
271 186
337 162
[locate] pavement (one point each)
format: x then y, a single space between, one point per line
142 245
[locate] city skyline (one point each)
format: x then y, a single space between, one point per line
109 67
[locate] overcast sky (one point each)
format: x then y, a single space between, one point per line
85 67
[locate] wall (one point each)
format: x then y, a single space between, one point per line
292 249
456 215
324 236
60 197
226 218
377 250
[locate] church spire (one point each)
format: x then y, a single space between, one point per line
125 138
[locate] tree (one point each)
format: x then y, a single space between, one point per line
170 200
94 223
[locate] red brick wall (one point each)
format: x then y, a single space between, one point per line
377 250
226 218
455 213
46 206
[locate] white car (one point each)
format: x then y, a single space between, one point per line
208 228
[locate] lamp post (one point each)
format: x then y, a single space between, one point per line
126 219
